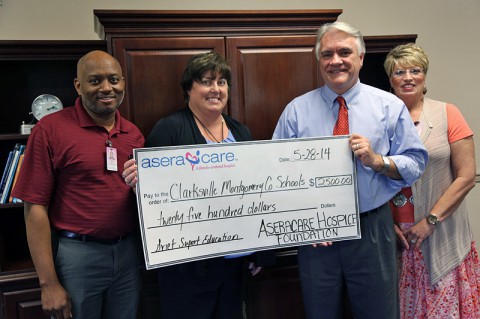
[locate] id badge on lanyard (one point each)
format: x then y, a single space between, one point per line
111 157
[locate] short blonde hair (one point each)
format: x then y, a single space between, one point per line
406 55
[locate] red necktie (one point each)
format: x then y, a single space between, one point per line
341 127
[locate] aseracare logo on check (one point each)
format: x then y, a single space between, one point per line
193 159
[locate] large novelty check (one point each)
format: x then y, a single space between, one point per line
204 201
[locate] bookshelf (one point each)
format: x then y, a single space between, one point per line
29 68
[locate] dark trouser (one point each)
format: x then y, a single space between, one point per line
103 280
205 289
365 268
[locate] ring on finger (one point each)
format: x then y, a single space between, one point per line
413 241
356 146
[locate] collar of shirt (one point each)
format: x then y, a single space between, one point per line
350 96
84 120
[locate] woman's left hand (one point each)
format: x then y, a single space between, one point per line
418 233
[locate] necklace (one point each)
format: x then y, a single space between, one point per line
208 131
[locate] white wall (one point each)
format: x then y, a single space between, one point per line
449 30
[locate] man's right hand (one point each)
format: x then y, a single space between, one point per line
56 302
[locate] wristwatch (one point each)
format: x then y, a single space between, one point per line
432 219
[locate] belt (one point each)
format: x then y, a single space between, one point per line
90 239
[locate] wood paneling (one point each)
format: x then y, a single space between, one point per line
268 73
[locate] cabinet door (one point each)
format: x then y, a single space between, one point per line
275 294
24 304
153 68
268 72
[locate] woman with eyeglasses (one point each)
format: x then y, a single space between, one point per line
439 271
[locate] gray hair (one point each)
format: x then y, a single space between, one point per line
342 26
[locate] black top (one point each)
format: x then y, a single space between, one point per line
180 128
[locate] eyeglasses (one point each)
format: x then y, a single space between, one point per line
402 73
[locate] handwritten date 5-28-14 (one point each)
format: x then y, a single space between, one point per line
311 154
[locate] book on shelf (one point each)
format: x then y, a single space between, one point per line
17 151
19 165
5 172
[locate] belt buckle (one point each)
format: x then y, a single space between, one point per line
399 200
71 235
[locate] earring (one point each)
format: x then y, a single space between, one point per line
424 90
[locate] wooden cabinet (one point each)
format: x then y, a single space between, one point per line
29 68
266 50
272 58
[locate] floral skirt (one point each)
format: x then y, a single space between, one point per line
455 296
